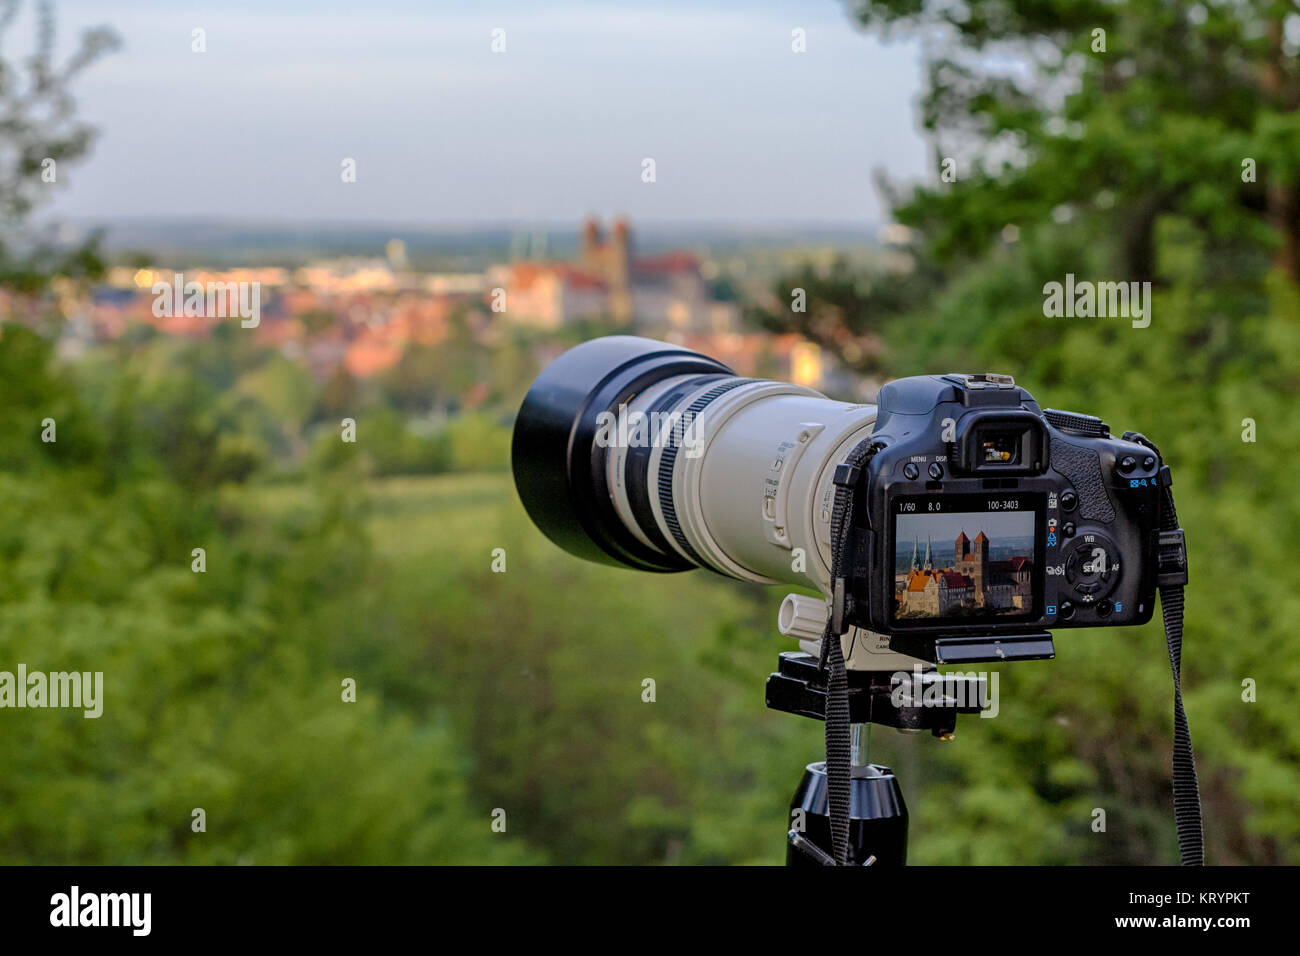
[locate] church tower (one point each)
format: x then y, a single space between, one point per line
610 260
980 566
929 562
960 550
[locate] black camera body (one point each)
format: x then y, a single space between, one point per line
983 515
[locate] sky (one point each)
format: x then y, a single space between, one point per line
943 529
443 130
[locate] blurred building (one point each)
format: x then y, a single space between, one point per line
659 295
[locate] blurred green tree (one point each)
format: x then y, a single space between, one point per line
1120 113
41 136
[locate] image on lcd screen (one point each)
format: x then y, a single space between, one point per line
964 564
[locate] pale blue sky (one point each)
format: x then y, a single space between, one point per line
443 130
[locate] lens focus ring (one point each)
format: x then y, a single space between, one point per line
668 460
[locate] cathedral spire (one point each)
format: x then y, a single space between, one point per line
929 562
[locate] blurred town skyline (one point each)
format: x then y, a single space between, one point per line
359 314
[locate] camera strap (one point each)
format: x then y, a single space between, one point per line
1171 566
839 763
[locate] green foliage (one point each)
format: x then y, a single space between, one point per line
390 445
478 443
222 689
541 668
1115 113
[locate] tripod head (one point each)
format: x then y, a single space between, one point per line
932 703
911 701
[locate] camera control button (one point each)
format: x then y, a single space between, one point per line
1065 610
1068 529
936 471
910 471
1069 500
1104 608
1091 566
1148 462
1127 464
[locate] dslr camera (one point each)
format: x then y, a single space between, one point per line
981 521
952 521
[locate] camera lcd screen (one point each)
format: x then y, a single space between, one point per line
967 558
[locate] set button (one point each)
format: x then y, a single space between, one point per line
1092 566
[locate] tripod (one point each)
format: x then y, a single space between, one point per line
878 813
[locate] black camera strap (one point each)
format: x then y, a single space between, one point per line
839 746
1171 564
